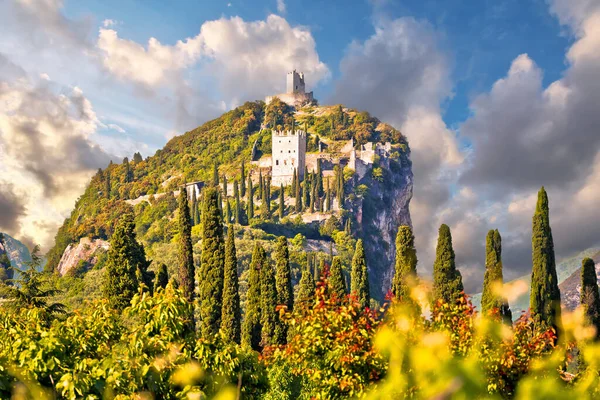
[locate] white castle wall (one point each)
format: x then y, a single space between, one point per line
288 153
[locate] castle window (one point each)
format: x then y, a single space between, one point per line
284 162
289 151
276 162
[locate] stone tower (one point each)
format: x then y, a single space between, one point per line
288 150
295 83
296 94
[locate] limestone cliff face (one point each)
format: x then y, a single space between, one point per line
17 252
379 213
85 252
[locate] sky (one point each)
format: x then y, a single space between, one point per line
496 98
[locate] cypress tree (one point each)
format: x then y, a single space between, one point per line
231 316
261 186
265 207
319 178
243 180
312 196
305 194
162 277
238 204
447 280
251 326
340 187
337 283
283 274
545 295
306 286
360 275
127 170
298 206
215 180
194 208
185 252
271 329
281 202
212 265
197 213
250 211
405 272
225 187
590 298
227 216
125 258
293 189
491 298
328 197
348 227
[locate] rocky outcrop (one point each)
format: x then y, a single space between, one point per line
86 251
378 213
17 252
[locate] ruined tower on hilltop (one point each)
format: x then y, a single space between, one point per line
296 94
288 155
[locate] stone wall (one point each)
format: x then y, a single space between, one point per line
288 153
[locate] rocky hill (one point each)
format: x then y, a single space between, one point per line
376 197
17 252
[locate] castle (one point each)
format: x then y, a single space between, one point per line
288 155
296 94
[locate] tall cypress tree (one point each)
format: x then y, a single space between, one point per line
185 252
590 298
305 194
293 189
319 178
125 258
298 205
281 203
306 286
283 274
162 277
238 205
227 212
545 295
212 265
107 184
405 272
215 180
340 187
243 180
128 174
447 280
261 186
337 283
265 207
328 197
348 227
491 298
250 210
360 276
231 316
312 196
194 208
225 186
271 329
251 326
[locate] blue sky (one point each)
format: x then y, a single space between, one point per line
496 98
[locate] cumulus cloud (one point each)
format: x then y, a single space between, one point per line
401 75
47 157
281 8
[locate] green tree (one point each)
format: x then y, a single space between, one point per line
224 187
243 180
251 326
319 178
238 206
32 289
306 286
281 203
162 277
185 253
212 265
545 295
313 192
590 297
250 211
359 275
283 274
231 316
447 280
125 257
261 186
328 197
491 298
128 175
294 182
265 207
405 272
137 158
337 282
6 269
298 205
269 317
194 208
227 217
215 180
107 184
305 194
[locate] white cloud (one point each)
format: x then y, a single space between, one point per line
281 8
108 23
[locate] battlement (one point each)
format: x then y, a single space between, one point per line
296 94
289 133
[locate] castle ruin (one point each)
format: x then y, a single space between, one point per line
296 94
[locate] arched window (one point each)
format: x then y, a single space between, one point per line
276 162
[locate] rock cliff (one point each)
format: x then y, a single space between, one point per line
84 255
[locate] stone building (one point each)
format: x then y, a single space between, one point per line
288 154
296 94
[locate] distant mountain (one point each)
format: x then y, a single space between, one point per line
568 280
17 252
